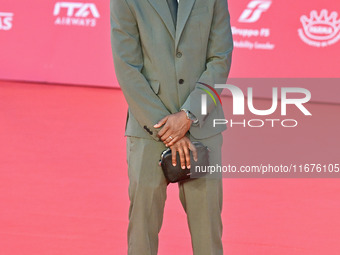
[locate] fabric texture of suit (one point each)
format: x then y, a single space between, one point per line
158 64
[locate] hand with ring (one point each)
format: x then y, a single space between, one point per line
174 127
183 146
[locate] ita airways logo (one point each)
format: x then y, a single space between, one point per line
6 19
254 11
75 14
320 30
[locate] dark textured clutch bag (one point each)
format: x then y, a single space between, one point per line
176 173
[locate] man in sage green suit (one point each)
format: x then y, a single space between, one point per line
166 55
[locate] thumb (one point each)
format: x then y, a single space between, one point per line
161 122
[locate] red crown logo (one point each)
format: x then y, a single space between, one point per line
321 27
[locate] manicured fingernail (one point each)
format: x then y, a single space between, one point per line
189 166
174 164
183 167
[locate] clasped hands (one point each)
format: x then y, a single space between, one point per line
172 133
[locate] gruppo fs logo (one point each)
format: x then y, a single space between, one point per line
6 19
239 105
251 36
254 11
320 30
75 14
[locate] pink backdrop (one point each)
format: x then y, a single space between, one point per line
69 42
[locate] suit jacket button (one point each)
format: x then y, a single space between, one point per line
179 54
181 81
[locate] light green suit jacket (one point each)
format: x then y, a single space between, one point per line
158 65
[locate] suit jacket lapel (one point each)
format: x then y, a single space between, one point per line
184 9
161 6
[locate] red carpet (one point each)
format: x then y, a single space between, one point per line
63 181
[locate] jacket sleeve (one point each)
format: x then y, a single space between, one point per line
218 62
144 104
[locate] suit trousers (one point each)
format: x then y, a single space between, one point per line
201 199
